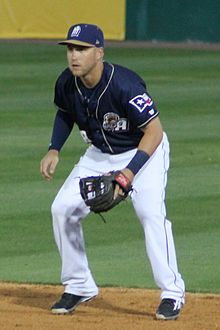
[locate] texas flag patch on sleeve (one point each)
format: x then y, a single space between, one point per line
141 102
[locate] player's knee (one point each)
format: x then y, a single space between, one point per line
75 212
149 208
144 211
58 208
150 215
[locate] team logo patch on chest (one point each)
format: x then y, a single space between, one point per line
141 102
112 122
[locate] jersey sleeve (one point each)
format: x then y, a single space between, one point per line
63 125
62 89
141 108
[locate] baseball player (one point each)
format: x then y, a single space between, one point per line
118 118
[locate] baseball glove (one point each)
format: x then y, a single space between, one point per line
98 191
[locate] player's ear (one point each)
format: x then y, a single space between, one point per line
100 53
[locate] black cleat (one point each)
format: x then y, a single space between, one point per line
68 302
169 309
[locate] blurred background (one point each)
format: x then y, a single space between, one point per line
155 20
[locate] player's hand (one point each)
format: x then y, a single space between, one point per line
130 176
48 164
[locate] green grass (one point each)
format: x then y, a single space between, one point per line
185 85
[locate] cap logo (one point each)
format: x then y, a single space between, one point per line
76 31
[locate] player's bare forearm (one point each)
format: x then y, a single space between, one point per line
48 164
153 134
152 137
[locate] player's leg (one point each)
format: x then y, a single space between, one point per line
148 201
68 209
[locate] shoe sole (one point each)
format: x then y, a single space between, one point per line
63 311
163 317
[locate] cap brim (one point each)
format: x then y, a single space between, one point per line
75 42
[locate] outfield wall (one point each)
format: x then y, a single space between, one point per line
162 20
173 20
50 19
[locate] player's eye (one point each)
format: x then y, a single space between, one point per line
82 48
70 47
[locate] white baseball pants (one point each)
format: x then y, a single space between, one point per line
148 197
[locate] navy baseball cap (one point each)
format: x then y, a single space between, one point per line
89 35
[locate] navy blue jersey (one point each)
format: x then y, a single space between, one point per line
112 114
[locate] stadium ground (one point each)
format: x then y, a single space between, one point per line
28 307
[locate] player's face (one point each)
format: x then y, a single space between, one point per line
83 61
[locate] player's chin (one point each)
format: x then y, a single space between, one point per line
76 71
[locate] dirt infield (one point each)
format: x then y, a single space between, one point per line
28 307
